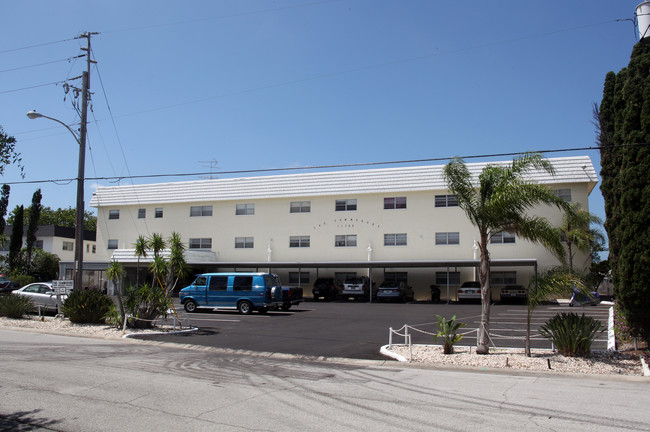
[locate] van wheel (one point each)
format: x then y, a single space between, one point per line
190 306
245 307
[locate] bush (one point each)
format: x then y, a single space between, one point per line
145 304
87 307
448 331
15 306
572 334
22 279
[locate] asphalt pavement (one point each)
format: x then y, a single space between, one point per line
70 384
358 330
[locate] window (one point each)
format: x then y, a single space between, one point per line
299 241
244 242
443 277
446 201
346 205
242 283
245 209
94 249
142 213
300 207
38 244
447 238
299 278
200 211
502 238
68 246
112 244
565 194
503 278
113 214
200 243
159 213
348 240
395 239
396 277
395 203
218 283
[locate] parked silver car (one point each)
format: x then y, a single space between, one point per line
399 291
470 290
42 294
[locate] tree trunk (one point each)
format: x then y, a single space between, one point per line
484 277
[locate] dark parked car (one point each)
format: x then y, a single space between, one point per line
6 285
513 292
390 290
328 288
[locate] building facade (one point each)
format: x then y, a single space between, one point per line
324 224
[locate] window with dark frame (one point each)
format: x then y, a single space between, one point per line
196 211
200 243
503 277
159 213
299 241
446 201
394 203
503 237
443 277
244 242
300 207
447 238
245 209
142 213
346 240
114 214
346 205
112 244
395 239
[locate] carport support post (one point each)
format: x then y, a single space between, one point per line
370 282
447 284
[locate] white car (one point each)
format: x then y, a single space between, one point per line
42 294
470 290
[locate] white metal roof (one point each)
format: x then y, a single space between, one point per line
577 169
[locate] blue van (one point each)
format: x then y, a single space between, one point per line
242 291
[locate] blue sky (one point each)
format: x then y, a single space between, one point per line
291 83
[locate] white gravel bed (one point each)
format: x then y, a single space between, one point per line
600 362
60 325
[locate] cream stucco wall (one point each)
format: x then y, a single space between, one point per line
273 224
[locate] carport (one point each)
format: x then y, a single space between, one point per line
449 265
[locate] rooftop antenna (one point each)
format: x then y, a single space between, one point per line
212 164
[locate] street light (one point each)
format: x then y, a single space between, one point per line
79 229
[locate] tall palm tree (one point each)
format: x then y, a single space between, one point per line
177 263
576 231
156 243
140 252
500 202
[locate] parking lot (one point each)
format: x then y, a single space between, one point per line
358 330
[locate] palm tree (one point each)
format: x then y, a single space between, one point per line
177 263
156 243
140 252
500 202
114 272
576 231
553 282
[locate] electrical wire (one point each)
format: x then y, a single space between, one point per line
317 167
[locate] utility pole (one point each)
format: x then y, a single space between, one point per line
79 232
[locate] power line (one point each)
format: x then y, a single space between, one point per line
35 46
41 64
350 165
31 87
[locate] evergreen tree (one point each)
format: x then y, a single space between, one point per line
16 242
624 134
32 226
4 204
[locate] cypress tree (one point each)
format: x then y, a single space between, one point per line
624 118
16 242
32 225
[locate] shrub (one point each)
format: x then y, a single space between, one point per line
572 334
15 306
448 331
22 279
87 307
114 317
145 304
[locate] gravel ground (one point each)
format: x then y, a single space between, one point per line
58 325
600 362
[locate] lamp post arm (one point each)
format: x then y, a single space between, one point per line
76 137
